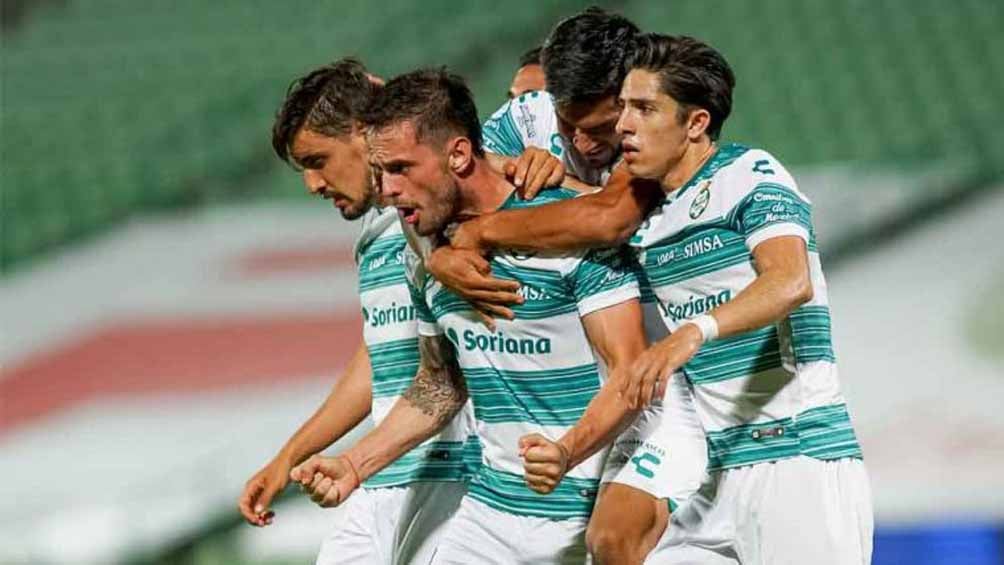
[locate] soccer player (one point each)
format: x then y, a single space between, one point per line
660 460
397 516
529 76
530 380
732 257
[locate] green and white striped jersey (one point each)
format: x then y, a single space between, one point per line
772 393
390 331
529 120
535 374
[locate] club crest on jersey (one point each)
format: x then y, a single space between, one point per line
700 203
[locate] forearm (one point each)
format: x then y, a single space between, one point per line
600 219
607 415
348 403
617 336
771 297
435 396
405 427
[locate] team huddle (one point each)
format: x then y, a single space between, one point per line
592 332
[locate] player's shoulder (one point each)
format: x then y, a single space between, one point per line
546 196
744 169
377 224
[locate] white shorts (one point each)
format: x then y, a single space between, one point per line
391 525
664 452
483 535
789 512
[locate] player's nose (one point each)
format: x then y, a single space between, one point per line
583 143
624 124
313 181
390 187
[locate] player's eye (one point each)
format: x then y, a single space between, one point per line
312 163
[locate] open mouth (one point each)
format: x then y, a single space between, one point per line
629 150
409 215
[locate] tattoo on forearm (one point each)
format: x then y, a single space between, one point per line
439 388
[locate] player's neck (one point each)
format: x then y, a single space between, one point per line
693 159
482 190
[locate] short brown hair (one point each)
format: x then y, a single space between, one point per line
327 100
691 72
437 102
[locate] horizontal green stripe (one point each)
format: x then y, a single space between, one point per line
555 397
394 365
381 263
421 303
472 455
770 204
501 135
603 270
382 280
694 252
822 433
507 492
810 334
546 196
435 461
734 357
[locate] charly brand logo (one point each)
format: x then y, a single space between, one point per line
763 167
394 314
641 464
700 202
694 305
498 342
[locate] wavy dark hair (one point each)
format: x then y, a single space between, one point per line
583 57
691 72
530 57
437 102
327 100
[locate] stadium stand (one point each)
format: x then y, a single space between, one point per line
105 114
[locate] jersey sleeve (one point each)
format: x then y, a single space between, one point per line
525 121
774 207
605 277
427 324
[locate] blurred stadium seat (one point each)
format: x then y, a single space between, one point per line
106 113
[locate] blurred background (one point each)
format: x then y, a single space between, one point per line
174 305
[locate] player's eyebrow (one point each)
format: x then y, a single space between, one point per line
637 101
393 164
307 160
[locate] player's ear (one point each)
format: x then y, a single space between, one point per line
460 155
697 123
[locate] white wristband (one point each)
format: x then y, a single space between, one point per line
708 326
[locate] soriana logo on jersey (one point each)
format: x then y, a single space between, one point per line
499 342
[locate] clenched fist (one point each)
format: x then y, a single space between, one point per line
329 480
545 462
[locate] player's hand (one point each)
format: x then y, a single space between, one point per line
648 375
260 490
535 169
328 480
469 275
545 462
